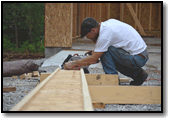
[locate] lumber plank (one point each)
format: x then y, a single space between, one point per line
124 79
96 79
150 17
9 89
121 11
26 99
62 90
135 19
126 94
102 79
86 95
108 11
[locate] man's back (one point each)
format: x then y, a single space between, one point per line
120 35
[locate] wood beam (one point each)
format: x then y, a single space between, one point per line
108 10
86 95
102 79
121 11
125 94
136 19
150 17
136 14
96 79
9 89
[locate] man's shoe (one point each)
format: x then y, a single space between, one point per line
140 78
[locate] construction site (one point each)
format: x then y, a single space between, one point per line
46 86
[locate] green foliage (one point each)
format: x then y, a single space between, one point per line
29 18
7 45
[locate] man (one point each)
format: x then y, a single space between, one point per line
119 47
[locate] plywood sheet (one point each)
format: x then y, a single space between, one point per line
115 10
145 13
127 17
58 24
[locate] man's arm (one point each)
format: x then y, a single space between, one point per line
84 62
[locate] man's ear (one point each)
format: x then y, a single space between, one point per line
93 30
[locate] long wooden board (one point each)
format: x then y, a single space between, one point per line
96 79
126 94
60 91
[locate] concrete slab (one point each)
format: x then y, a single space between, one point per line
58 59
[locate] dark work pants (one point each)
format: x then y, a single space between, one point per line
117 59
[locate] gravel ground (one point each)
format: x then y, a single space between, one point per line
10 99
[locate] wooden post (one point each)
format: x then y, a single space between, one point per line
108 10
135 19
150 17
121 11
136 14
139 11
159 16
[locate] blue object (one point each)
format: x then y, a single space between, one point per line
117 59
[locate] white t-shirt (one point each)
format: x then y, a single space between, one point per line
120 35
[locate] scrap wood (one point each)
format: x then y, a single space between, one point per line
23 76
9 89
99 105
35 74
15 77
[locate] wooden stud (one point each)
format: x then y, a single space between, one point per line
86 95
159 17
136 19
139 11
150 17
108 10
9 89
136 14
121 11
126 94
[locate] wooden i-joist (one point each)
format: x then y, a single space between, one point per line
72 90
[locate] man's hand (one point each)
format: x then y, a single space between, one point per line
69 65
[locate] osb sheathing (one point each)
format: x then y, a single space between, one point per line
58 25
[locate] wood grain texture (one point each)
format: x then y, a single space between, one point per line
9 89
24 102
126 94
102 79
61 91
141 29
86 96
58 24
